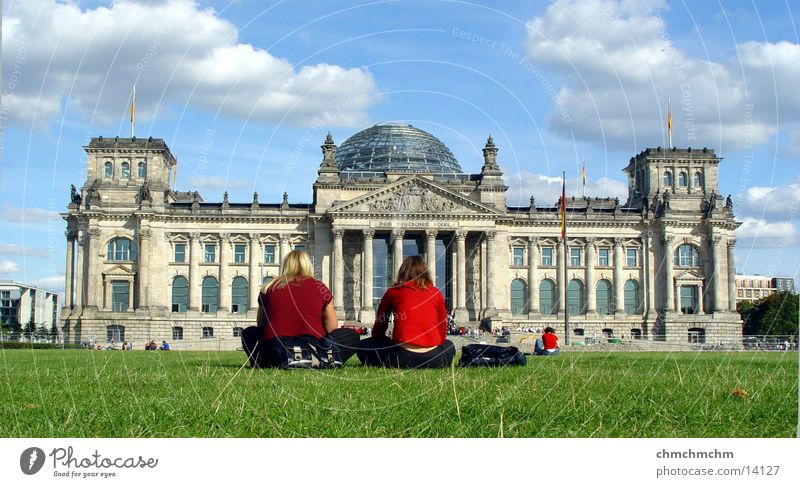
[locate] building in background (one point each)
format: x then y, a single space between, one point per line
21 305
755 287
145 262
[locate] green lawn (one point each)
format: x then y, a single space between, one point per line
208 394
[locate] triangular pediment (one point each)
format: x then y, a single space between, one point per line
413 195
119 270
689 275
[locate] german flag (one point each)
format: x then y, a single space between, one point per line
563 207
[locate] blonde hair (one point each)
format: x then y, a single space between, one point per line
414 269
296 265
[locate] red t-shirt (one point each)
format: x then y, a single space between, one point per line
295 309
420 316
550 341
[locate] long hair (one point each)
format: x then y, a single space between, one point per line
414 269
296 265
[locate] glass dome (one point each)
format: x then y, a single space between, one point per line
394 147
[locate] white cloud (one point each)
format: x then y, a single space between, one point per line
52 283
755 232
14 249
620 66
547 190
213 182
29 215
774 203
8 267
177 53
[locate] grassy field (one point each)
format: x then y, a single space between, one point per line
208 394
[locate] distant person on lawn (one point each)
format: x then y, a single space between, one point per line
419 315
295 304
548 344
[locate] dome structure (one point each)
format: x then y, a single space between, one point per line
395 147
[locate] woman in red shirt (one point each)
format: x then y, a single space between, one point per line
419 317
295 304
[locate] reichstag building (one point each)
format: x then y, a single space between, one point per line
145 262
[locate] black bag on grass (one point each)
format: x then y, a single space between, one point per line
480 355
301 352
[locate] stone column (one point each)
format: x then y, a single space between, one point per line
669 292
68 300
338 271
619 285
461 276
194 272
560 284
80 267
143 269
678 298
591 295
224 278
490 273
731 275
92 260
430 252
256 256
716 261
397 246
648 273
367 309
285 248
107 295
533 279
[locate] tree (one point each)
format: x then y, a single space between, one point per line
777 314
28 330
52 335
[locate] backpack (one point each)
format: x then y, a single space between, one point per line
481 355
301 352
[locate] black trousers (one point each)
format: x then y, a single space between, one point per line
385 353
254 344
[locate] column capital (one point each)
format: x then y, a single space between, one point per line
533 241
94 232
731 242
254 237
648 235
338 233
668 239
71 234
431 233
398 233
284 237
145 233
590 241
369 233
618 241
225 237
194 236
714 239
490 235
461 235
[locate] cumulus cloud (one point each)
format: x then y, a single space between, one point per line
772 202
8 267
547 189
14 249
756 232
177 53
620 66
213 182
52 283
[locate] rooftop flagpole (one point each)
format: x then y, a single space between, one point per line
133 111
669 121
566 251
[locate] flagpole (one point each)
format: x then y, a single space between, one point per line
669 120
583 177
133 111
566 251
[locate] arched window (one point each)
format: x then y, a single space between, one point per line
180 294
687 255
603 297
108 169
575 297
125 170
210 294
239 295
121 250
547 295
266 280
632 303
667 178
683 179
142 170
518 294
698 180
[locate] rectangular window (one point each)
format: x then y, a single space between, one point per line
238 253
120 293
180 252
741 293
208 332
574 257
519 256
547 256
632 257
269 254
300 247
602 257
210 255
237 332
749 293
177 333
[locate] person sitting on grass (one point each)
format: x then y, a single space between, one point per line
548 344
295 304
420 323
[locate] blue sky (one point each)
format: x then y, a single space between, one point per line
237 89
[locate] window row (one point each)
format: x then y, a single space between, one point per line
209 295
125 170
180 254
576 297
116 333
683 179
576 257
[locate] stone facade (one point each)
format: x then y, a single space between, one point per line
657 267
